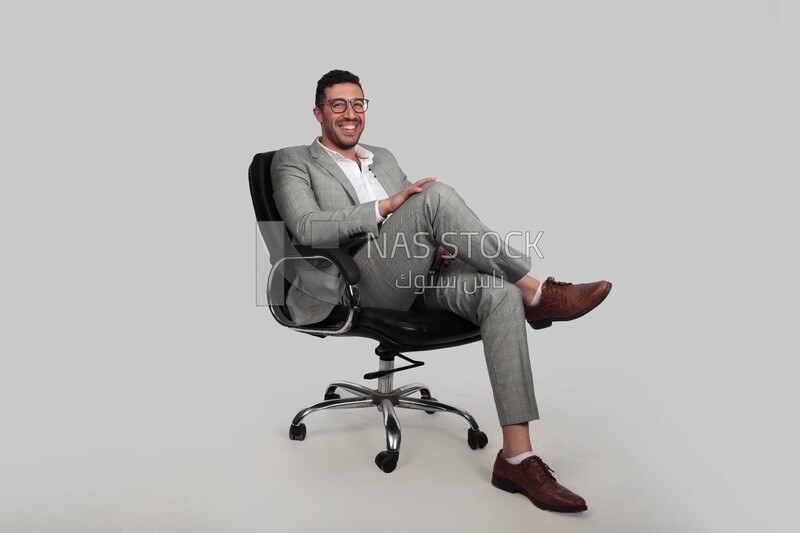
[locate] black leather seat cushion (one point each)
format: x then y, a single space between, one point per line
418 329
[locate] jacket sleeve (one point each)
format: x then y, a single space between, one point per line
300 211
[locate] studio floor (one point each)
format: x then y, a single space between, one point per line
212 453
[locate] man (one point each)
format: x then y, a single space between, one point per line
336 188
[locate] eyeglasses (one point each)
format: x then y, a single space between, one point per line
339 105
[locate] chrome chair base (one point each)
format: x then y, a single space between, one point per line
386 400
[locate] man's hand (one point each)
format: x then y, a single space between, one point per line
391 204
442 258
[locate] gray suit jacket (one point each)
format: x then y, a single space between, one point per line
320 207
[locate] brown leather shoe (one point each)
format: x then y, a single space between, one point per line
563 301
533 478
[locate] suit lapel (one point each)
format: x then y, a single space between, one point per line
381 173
326 162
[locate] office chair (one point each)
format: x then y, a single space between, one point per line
396 331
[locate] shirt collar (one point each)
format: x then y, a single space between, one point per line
361 153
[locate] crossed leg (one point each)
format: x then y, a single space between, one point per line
489 288
490 282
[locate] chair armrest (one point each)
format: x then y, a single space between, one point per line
340 258
344 263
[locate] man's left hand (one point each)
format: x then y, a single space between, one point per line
442 258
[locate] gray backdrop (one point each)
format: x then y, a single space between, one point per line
648 140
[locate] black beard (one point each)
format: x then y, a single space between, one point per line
344 146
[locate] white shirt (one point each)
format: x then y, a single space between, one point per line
367 186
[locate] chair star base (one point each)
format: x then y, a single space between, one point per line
386 399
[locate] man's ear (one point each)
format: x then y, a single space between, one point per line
318 114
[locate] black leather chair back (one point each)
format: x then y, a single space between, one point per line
261 188
277 237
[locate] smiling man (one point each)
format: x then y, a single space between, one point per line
336 189
341 112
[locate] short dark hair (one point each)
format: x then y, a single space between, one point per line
332 78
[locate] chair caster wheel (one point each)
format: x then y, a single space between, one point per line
387 461
297 432
476 439
425 394
431 412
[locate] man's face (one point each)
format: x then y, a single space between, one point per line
340 130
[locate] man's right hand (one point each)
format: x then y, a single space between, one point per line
391 204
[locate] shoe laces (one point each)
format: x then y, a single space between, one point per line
545 468
559 284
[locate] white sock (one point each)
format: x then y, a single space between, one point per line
537 296
517 459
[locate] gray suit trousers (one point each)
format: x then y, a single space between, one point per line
477 285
